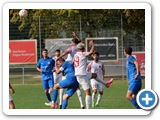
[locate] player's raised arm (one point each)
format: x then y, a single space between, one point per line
63 54
92 48
137 69
75 36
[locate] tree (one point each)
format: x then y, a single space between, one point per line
60 23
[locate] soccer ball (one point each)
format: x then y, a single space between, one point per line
22 13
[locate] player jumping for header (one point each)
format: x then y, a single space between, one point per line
80 63
71 51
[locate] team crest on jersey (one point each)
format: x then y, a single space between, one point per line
99 66
49 62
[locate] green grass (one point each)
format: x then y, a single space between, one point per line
31 95
28 79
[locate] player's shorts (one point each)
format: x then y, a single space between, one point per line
57 78
70 83
83 80
47 84
135 86
10 98
63 77
96 85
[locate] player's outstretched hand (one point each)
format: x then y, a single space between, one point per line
91 42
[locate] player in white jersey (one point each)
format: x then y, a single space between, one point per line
71 51
96 66
58 78
80 63
11 103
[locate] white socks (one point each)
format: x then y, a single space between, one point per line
99 79
61 92
88 101
98 98
93 97
79 94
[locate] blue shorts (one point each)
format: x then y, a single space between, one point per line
70 83
47 84
135 86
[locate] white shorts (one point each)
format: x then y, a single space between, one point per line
10 97
96 85
83 80
57 78
63 77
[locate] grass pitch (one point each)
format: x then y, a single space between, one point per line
31 95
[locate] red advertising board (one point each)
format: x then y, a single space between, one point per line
22 51
140 56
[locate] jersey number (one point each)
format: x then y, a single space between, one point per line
76 64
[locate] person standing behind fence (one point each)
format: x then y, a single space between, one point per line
45 66
58 78
11 103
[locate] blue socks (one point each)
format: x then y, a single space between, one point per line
54 95
64 104
48 97
133 101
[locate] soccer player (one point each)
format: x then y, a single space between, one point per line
97 67
45 66
80 64
134 76
58 78
70 82
71 51
11 103
75 36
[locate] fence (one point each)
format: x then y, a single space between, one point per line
28 73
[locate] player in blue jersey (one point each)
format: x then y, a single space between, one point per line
134 76
71 51
70 82
46 65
